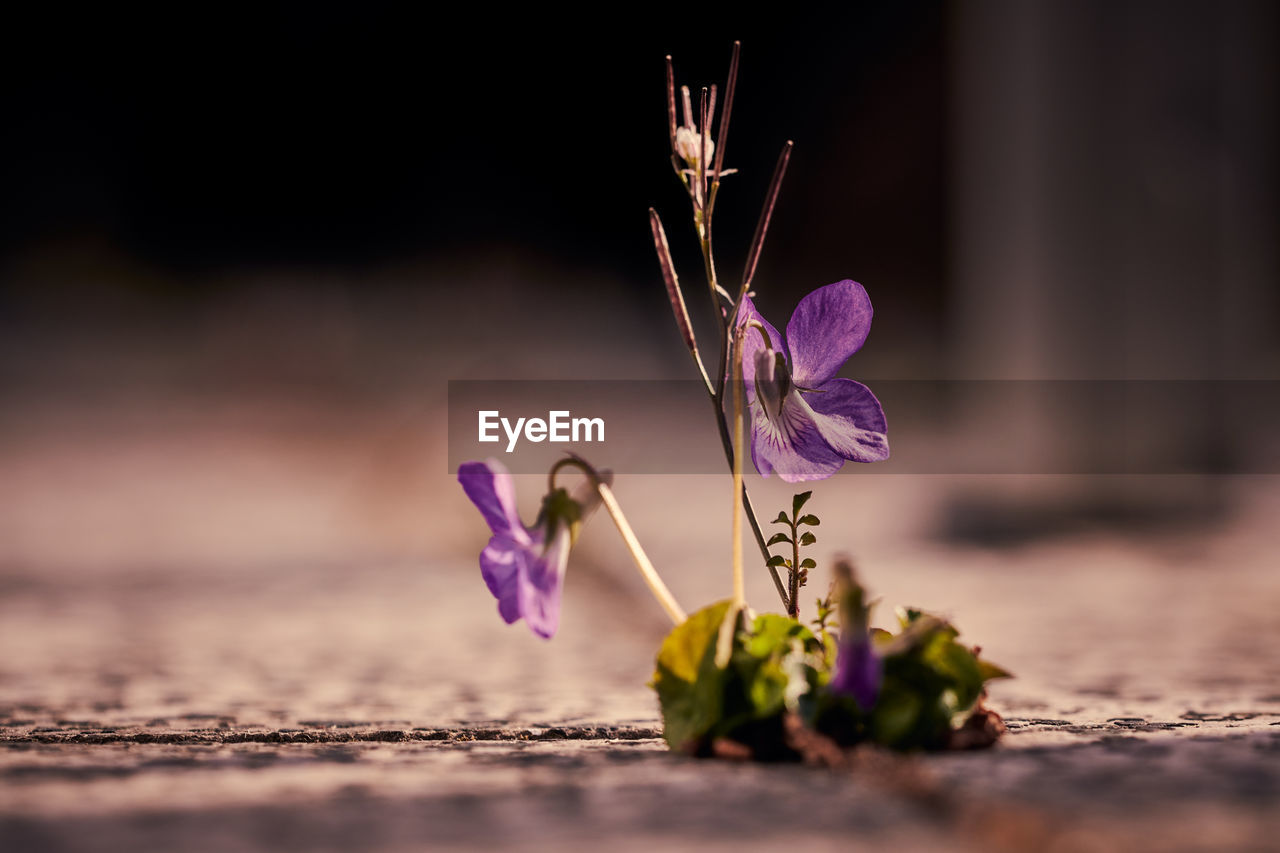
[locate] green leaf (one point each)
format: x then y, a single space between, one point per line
989 670
772 632
807 539
895 716
782 519
778 537
799 501
690 688
777 560
810 520
808 563
907 615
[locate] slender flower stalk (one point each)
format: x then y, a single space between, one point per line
739 584
650 575
691 146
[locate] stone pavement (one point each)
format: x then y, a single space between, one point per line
267 631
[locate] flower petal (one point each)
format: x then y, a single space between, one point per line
491 489
752 343
791 445
501 564
858 672
540 586
851 420
828 326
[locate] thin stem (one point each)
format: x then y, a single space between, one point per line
703 202
766 213
793 606
675 295
723 137
727 444
647 571
739 584
704 118
671 105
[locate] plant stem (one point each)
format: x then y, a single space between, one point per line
727 444
647 571
793 605
739 585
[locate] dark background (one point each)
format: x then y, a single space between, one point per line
228 234
341 138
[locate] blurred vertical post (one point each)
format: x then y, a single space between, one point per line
1113 216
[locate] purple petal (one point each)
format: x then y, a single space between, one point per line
502 562
791 444
752 344
851 420
828 326
492 490
858 672
540 586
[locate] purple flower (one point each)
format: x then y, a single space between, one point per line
805 423
858 670
523 566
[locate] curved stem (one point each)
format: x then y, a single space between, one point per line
650 575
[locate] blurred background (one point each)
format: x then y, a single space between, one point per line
242 253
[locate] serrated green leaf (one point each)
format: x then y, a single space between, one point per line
799 501
810 519
808 539
808 563
777 560
782 519
778 537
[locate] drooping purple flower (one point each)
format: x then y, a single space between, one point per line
806 423
858 670
523 566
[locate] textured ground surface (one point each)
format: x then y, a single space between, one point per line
239 622
324 705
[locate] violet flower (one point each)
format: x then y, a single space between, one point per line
858 671
523 566
859 668
806 423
